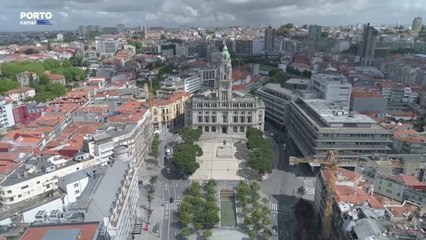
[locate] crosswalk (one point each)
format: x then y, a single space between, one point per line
275 207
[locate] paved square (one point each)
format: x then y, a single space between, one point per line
218 160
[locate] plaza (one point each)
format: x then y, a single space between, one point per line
218 160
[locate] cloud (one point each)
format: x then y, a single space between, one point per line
69 14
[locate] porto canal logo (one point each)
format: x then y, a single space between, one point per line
35 18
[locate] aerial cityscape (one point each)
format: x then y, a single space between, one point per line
227 119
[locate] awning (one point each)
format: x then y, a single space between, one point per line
137 229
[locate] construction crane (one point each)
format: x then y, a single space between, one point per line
330 163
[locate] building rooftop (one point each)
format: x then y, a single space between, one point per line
335 113
298 81
68 231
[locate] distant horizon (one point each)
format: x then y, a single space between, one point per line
188 26
69 14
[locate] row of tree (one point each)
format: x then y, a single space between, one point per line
199 210
260 158
296 71
184 155
255 210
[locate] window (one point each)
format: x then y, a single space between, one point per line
213 129
398 194
20 195
75 184
235 119
200 119
207 119
38 182
77 169
206 129
242 119
249 119
235 129
23 187
214 119
11 199
225 120
77 191
241 129
9 191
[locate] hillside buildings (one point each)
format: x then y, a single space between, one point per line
224 111
269 39
315 33
417 24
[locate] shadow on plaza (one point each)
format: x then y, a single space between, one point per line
243 154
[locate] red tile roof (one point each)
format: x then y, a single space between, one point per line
171 98
87 230
19 90
410 181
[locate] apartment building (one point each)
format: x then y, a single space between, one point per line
20 94
107 47
112 196
131 124
368 102
398 93
224 111
334 88
277 102
185 83
401 188
358 213
169 113
38 176
409 141
208 76
317 126
6 114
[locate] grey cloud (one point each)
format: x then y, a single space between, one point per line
212 12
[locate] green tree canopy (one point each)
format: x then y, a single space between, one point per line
7 84
190 135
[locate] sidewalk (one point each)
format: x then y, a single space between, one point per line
148 170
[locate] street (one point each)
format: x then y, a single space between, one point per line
281 186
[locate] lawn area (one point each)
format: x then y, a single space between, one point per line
227 213
266 67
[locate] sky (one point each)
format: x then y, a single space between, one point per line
69 14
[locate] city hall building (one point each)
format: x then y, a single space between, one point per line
222 110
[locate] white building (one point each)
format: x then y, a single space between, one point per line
59 37
107 47
208 76
258 46
112 196
37 176
6 114
224 111
185 82
20 94
331 87
74 184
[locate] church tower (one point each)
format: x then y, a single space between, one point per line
224 86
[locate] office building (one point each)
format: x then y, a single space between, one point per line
333 88
208 76
398 93
367 46
315 33
317 126
169 113
107 47
277 102
120 28
417 24
224 111
269 39
258 46
244 47
185 83
368 102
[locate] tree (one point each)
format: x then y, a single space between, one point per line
184 158
153 179
155 145
7 84
190 135
207 234
301 191
186 232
